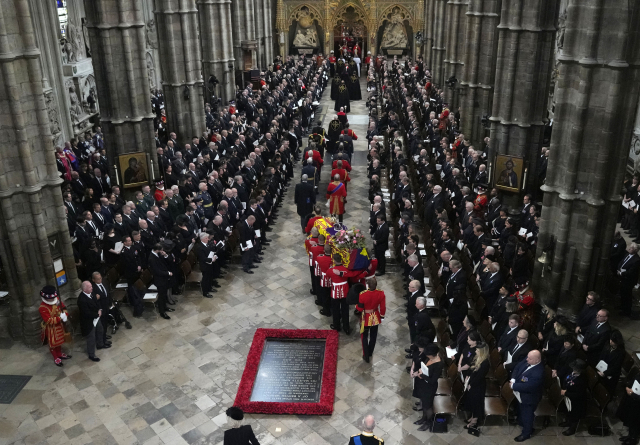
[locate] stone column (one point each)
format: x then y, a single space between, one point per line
258 8
597 94
244 34
117 36
429 15
217 49
479 66
455 44
268 32
439 42
181 67
48 37
31 208
525 51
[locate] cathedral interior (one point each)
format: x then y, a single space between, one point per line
550 86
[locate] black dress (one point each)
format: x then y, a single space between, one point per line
457 313
240 436
613 358
576 387
629 408
474 398
110 258
468 354
425 387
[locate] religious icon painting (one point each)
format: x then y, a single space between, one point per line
508 172
134 169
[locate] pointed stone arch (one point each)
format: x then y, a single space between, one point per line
368 20
298 10
408 15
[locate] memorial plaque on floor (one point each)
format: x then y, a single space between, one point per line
290 370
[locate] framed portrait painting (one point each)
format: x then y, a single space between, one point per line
134 169
508 173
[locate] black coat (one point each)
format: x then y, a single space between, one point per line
516 357
424 326
587 315
381 237
240 436
160 270
305 198
89 308
474 398
596 338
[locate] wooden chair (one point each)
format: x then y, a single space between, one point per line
592 377
448 404
597 406
484 328
146 277
550 404
444 387
497 407
190 276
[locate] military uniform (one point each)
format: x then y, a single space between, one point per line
365 438
323 264
207 204
372 304
339 276
54 314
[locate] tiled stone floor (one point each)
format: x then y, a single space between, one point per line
169 382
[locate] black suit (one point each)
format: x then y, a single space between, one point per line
457 282
628 272
417 273
507 339
517 355
161 278
240 436
491 289
247 234
105 302
89 308
381 238
434 203
207 266
424 326
305 199
100 187
130 261
596 337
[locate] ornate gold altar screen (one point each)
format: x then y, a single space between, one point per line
322 25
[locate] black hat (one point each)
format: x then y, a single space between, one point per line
578 365
431 349
235 413
49 292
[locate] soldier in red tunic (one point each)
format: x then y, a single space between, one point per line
311 241
159 194
323 264
54 314
332 64
339 276
314 251
337 196
372 304
341 172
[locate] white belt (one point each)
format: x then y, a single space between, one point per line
339 284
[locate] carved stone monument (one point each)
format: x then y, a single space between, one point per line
394 38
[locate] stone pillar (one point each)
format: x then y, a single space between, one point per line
217 49
181 67
479 66
439 42
152 55
117 36
597 94
31 208
455 44
258 8
48 37
429 15
244 35
523 70
269 25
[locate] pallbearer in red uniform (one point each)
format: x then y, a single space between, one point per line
339 276
323 264
314 251
337 196
54 314
341 172
311 241
332 64
372 304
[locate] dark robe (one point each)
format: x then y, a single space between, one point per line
342 99
354 87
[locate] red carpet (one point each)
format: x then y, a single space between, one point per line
327 392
